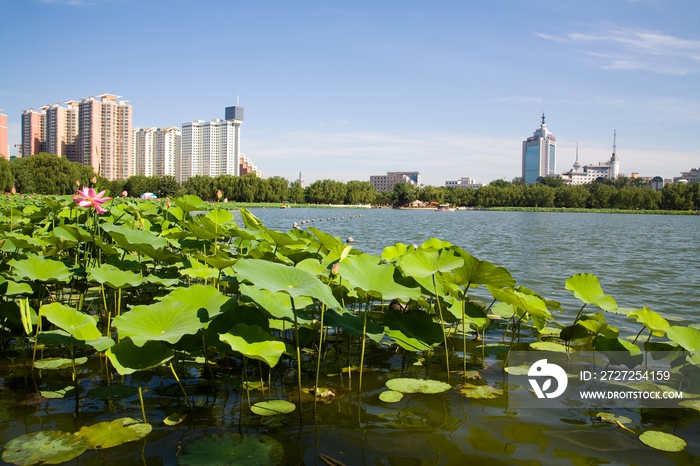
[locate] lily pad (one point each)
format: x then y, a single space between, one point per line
46 446
272 407
549 346
610 417
692 404
390 396
662 441
113 433
57 363
227 449
174 419
406 385
485 392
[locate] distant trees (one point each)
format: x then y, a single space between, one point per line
7 179
49 174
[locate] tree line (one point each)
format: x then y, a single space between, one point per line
48 174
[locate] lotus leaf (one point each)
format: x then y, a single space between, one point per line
80 325
272 407
255 343
354 325
65 392
219 261
203 273
549 346
478 272
113 433
481 391
656 324
190 202
277 277
531 304
46 446
413 330
134 239
517 370
201 232
422 263
174 419
58 363
229 449
687 337
112 392
586 287
662 441
10 288
41 269
390 396
365 274
406 385
113 277
326 240
610 417
619 351
692 404
128 358
395 253
277 304
166 320
221 217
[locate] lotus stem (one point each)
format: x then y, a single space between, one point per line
442 326
296 338
143 409
362 353
187 401
318 362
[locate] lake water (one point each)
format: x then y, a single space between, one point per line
640 260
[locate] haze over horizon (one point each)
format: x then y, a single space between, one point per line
345 91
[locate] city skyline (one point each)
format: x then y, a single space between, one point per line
346 92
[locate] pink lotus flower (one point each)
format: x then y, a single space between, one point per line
13 190
167 203
124 193
219 195
88 197
94 180
77 183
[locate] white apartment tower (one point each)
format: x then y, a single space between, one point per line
156 151
144 149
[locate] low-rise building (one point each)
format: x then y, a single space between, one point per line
386 182
464 183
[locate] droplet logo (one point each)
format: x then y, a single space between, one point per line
543 370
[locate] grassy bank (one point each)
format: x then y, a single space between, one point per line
596 211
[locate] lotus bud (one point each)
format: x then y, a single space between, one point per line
13 190
167 203
334 269
124 193
77 183
94 180
219 195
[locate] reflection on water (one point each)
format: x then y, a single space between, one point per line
641 260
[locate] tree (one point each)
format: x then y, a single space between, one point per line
296 193
49 174
7 180
168 187
404 194
200 185
571 197
360 192
602 196
539 195
461 196
499 183
279 189
137 185
551 181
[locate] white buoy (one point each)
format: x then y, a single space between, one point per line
350 239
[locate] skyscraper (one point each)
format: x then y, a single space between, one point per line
4 147
156 151
33 131
539 154
62 129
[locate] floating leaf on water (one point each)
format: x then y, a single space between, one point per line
174 419
46 446
57 363
517 370
253 385
227 449
609 417
549 346
692 404
113 392
64 392
113 433
272 407
485 392
662 441
390 396
406 385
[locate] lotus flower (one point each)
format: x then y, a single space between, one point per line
124 193
88 197
94 180
219 194
13 190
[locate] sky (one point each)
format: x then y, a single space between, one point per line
347 89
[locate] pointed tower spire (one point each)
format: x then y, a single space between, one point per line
577 164
543 118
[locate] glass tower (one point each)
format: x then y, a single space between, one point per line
539 154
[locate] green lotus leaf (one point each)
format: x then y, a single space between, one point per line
354 325
101 344
113 433
586 287
59 393
396 252
283 239
113 277
221 217
72 233
687 337
80 325
662 441
197 297
165 320
112 392
41 269
413 330
277 304
203 273
549 346
255 343
422 263
692 404
272 407
190 202
11 289
251 221
434 245
656 324
326 240
485 392
57 337
311 265
46 447
619 351
406 385
365 274
518 370
277 277
128 358
219 261
162 281
174 419
533 305
58 363
201 232
609 417
228 449
391 396
24 242
134 239
478 272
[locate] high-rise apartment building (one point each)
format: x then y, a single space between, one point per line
104 136
156 151
4 146
539 155
212 147
95 131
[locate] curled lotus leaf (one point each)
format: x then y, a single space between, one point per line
46 446
40 269
113 277
391 396
586 287
662 441
128 358
113 433
364 273
272 407
687 337
227 449
423 263
408 385
656 324
80 325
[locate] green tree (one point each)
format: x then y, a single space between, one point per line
168 187
49 174
138 184
404 194
432 194
7 179
279 189
677 196
500 183
296 193
551 181
200 185
571 197
326 192
360 192
602 196
539 195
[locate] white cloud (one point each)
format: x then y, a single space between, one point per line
519 100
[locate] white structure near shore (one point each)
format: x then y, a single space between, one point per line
589 173
464 183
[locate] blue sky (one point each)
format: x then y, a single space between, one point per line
345 90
